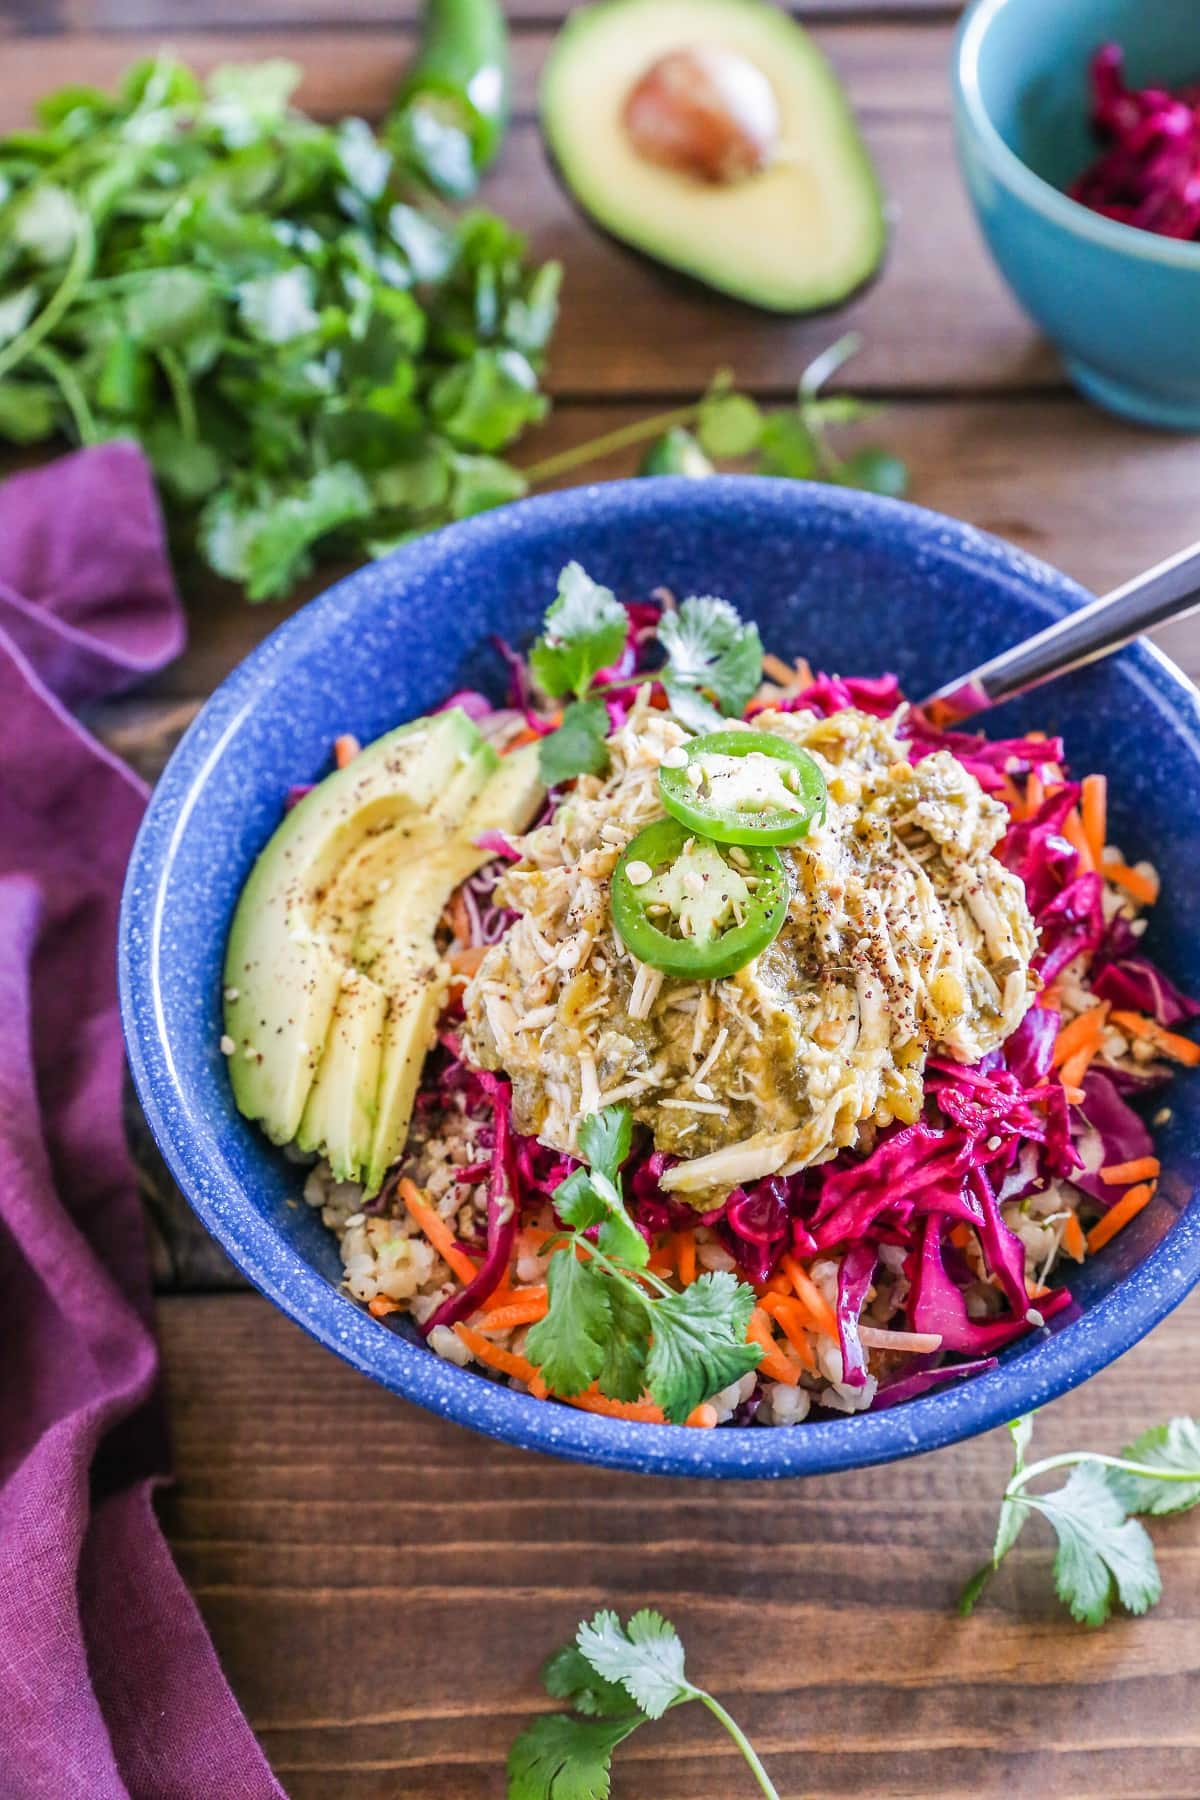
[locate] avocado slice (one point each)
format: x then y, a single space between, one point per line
361 868
800 229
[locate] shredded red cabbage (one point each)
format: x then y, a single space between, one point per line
502 1213
1148 172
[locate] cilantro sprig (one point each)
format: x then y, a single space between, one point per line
612 1321
727 426
615 1677
1104 1555
712 666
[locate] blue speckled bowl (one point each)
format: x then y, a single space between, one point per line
854 583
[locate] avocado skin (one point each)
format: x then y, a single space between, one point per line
711 255
332 979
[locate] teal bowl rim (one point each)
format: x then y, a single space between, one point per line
1042 195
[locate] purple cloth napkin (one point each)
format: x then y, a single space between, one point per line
109 1686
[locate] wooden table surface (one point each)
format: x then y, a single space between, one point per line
382 1586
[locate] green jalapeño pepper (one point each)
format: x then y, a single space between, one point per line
694 908
744 787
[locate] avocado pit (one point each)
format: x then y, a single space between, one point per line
706 112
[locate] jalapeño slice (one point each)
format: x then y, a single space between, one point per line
745 787
696 908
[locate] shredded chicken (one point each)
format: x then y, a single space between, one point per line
904 935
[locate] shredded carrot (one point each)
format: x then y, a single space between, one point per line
1035 793
532 1238
1142 1168
774 1363
811 1298
1127 1207
497 1358
1074 1070
1093 807
704 1416
685 1256
1075 1095
1083 1033
1072 1237
528 736
1141 887
1076 836
460 918
527 1310
465 962
1171 1043
1011 794
778 671
793 1322
345 749
661 1261
381 1306
775 1284
437 1231
960 1236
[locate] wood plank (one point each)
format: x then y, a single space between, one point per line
207 15
938 318
382 1587
1052 475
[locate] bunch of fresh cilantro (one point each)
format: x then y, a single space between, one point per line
315 355
711 668
1104 1555
615 1677
610 1320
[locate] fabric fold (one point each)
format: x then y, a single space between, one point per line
109 1686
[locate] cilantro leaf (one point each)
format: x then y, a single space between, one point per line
710 650
578 747
568 1345
586 628
606 1138
730 424
646 1657
564 1758
1013 1512
699 1344
568 1675
1102 1555
623 1373
592 1197
561 1758
1174 1448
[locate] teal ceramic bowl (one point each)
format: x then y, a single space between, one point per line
1122 305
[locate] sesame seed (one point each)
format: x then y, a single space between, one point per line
231 993
675 758
638 873
993 1142
1033 1316
249 1053
227 1045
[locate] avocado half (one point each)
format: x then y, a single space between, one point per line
799 235
333 981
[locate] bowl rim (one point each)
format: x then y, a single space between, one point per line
1045 1368
1025 182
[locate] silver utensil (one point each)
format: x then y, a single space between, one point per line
1168 591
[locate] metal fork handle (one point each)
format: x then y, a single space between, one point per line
1169 591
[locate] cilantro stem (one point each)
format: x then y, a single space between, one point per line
741 1740
181 393
44 322
1070 1458
73 395
828 363
597 448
